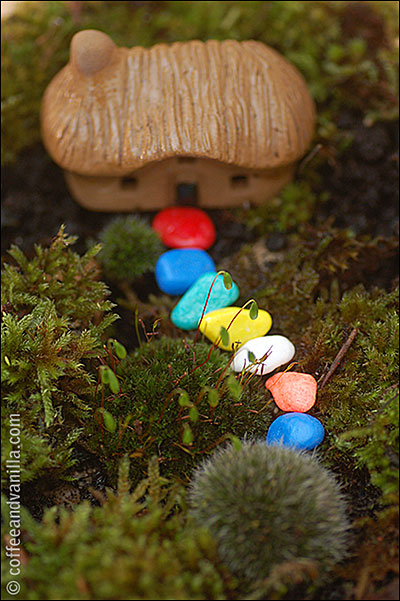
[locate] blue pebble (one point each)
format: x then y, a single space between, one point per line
178 269
187 313
298 430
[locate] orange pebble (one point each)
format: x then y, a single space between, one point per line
293 391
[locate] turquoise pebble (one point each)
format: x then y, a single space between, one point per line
177 269
298 430
187 313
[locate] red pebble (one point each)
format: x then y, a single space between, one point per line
185 227
293 391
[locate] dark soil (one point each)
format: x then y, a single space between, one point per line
363 184
86 476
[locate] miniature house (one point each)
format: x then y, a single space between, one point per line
215 123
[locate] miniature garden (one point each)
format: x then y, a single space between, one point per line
200 401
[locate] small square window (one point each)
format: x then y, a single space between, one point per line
239 181
129 183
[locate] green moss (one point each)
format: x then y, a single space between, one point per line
129 248
58 274
33 49
136 545
357 403
52 325
284 213
376 445
342 65
165 406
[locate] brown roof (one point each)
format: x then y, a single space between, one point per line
238 102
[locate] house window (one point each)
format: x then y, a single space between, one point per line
129 183
239 181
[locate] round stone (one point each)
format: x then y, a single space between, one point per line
297 430
185 227
293 391
177 269
263 354
188 311
238 323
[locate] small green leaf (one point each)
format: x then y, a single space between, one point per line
253 311
109 421
193 414
237 445
109 377
184 399
251 356
187 437
120 350
234 387
228 283
213 397
104 374
224 335
114 385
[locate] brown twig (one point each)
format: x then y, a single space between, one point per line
338 358
309 157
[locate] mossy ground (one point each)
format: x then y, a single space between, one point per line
177 401
321 257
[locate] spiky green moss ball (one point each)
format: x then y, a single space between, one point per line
267 505
130 248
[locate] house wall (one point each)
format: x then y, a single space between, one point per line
156 186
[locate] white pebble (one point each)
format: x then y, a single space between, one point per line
269 352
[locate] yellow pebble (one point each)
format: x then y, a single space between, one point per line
240 330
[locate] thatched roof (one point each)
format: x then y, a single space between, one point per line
237 102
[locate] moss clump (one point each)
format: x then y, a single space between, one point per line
376 446
130 248
284 213
52 326
178 399
268 506
131 547
57 274
356 403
